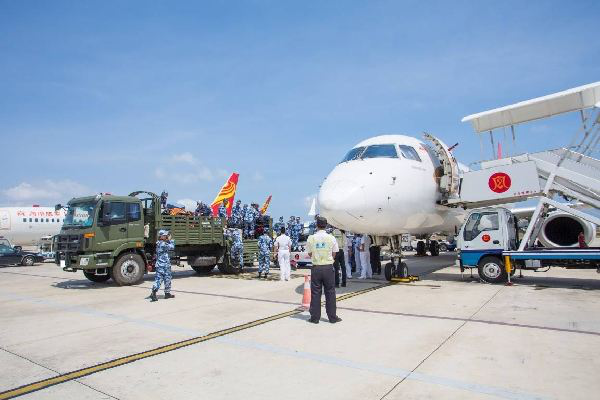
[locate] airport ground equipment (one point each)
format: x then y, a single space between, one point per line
108 236
489 241
488 238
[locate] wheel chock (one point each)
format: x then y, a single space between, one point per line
408 279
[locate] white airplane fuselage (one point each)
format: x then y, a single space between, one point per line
387 196
24 226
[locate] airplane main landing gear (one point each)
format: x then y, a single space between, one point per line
434 248
421 249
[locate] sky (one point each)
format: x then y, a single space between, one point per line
118 96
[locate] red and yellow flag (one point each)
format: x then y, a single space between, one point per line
227 192
263 209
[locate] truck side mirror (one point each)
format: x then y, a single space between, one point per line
17 249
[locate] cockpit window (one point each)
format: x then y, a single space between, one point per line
380 151
409 153
353 154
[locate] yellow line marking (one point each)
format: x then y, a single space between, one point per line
69 376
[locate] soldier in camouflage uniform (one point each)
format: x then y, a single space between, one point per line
237 247
296 230
278 225
256 212
163 265
163 200
223 209
312 228
248 221
265 244
236 215
290 226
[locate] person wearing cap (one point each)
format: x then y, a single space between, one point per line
163 265
265 245
322 248
222 212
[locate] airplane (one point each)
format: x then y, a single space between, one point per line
24 226
391 185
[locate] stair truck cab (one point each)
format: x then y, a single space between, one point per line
486 233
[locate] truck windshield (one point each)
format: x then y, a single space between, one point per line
479 222
81 214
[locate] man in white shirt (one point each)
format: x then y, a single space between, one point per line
283 246
322 248
365 257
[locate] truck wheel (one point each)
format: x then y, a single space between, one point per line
96 278
129 269
434 248
204 270
420 248
491 269
27 261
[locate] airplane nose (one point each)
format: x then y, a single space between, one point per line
338 198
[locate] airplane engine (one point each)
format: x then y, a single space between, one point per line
562 230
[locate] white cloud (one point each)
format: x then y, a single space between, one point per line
183 168
189 204
186 158
257 176
44 192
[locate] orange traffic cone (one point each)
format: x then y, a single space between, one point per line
306 296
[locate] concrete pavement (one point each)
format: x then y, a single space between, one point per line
441 338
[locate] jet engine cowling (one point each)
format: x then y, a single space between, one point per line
562 230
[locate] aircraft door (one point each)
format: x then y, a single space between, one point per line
4 220
449 180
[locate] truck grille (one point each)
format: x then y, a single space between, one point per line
68 243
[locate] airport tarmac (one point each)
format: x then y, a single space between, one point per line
226 337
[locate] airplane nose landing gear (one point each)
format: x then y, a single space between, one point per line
396 269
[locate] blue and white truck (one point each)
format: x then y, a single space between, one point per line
489 241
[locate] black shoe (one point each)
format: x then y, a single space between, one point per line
343 285
169 296
313 321
266 276
335 319
338 285
259 275
153 296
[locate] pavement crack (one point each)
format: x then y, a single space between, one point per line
446 340
55 371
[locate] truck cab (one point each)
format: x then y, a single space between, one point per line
486 233
97 232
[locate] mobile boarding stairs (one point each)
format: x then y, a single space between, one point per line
571 173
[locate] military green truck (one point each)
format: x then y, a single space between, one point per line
108 236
